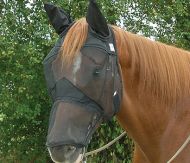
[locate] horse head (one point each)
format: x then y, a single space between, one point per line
83 81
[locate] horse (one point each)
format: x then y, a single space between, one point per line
96 71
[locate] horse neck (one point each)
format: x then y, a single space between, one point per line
157 130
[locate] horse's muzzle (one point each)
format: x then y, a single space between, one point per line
72 124
66 154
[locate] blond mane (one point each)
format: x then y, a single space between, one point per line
74 41
161 70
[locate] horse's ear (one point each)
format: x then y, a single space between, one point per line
96 20
58 17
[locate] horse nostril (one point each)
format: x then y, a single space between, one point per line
65 151
71 148
68 149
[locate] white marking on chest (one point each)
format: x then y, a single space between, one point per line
76 66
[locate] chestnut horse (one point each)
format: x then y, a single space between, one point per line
155 109
155 105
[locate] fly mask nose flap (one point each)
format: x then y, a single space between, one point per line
73 118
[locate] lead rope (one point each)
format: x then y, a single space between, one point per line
120 136
102 148
180 149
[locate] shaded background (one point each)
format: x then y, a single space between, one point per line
26 37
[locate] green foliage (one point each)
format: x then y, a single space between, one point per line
24 102
168 21
120 152
26 38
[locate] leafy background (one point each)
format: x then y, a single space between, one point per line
26 37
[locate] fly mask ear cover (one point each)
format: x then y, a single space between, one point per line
77 110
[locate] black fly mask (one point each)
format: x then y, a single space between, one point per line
88 91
